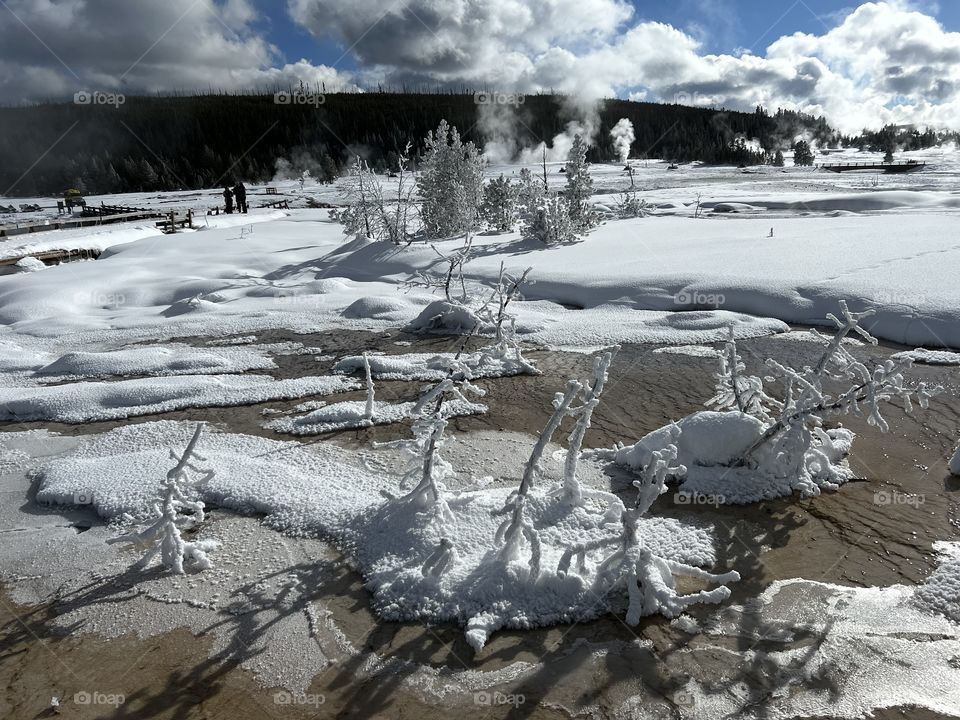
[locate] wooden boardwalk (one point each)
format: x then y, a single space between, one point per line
886 168
92 216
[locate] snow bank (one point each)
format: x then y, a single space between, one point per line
928 357
78 239
158 360
96 401
432 366
941 591
711 446
352 414
322 489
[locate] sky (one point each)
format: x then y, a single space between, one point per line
861 64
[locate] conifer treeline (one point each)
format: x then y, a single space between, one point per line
192 142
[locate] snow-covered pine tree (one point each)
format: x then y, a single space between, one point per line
450 184
530 193
802 154
499 207
176 509
579 187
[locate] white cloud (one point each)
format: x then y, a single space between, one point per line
55 49
884 61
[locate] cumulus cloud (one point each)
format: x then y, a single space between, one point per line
883 61
52 49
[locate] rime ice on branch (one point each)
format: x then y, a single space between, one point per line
176 509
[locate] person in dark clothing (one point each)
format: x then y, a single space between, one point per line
241 193
228 200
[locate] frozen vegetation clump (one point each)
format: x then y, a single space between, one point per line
450 184
759 447
498 210
177 508
498 557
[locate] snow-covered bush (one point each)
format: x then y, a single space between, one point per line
579 187
362 216
368 213
499 207
450 184
763 447
177 508
550 222
530 193
450 275
630 206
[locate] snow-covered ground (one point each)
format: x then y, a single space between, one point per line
723 250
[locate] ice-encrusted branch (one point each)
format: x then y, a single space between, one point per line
647 577
176 509
517 526
572 491
737 391
805 400
368 409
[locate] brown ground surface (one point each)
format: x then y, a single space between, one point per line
850 537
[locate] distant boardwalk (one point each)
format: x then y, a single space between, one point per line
890 168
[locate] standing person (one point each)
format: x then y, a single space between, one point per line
241 192
228 200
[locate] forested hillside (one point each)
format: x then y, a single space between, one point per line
166 143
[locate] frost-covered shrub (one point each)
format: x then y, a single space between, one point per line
630 206
763 447
368 213
530 193
499 208
550 223
450 184
177 508
361 217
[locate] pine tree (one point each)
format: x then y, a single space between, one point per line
778 159
579 187
802 154
499 207
450 184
